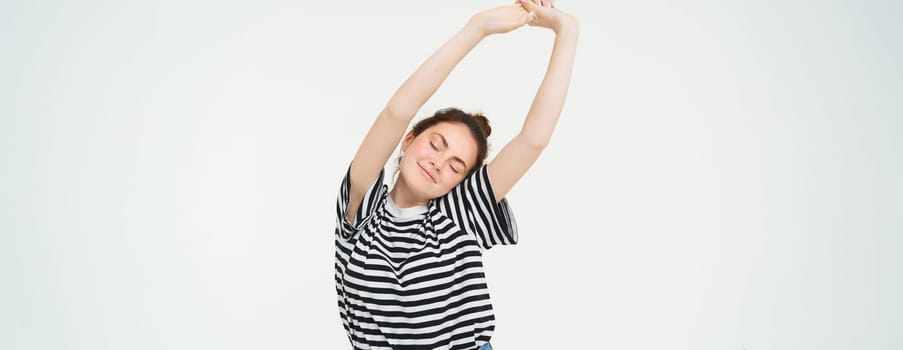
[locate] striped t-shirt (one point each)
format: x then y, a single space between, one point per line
413 278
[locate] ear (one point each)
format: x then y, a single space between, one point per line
408 139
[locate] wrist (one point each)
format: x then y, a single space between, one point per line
474 30
568 24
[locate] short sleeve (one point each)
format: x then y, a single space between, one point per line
472 206
365 211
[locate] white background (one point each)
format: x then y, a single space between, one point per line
725 175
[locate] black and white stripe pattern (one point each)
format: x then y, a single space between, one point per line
417 281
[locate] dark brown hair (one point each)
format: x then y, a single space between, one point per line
476 122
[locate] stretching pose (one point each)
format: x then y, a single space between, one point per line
408 269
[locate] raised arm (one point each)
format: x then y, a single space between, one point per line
393 120
522 151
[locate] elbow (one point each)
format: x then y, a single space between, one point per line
399 112
396 113
535 142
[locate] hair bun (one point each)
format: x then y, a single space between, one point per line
484 123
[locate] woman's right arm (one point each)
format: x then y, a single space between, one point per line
389 127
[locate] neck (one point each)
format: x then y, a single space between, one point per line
403 196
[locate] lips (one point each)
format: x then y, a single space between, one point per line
427 174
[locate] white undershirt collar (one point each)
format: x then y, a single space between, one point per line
411 212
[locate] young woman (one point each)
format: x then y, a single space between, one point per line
408 260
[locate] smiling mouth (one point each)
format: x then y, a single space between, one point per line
427 174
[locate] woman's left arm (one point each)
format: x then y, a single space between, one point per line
513 161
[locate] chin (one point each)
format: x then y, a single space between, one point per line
422 186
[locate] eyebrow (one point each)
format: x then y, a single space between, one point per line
445 145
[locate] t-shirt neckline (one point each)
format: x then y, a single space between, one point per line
410 212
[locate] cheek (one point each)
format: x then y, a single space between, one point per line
451 179
418 152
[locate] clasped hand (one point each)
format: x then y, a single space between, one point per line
538 13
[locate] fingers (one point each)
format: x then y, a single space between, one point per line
545 3
529 16
527 4
533 5
530 5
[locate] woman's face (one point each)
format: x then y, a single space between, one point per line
438 159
